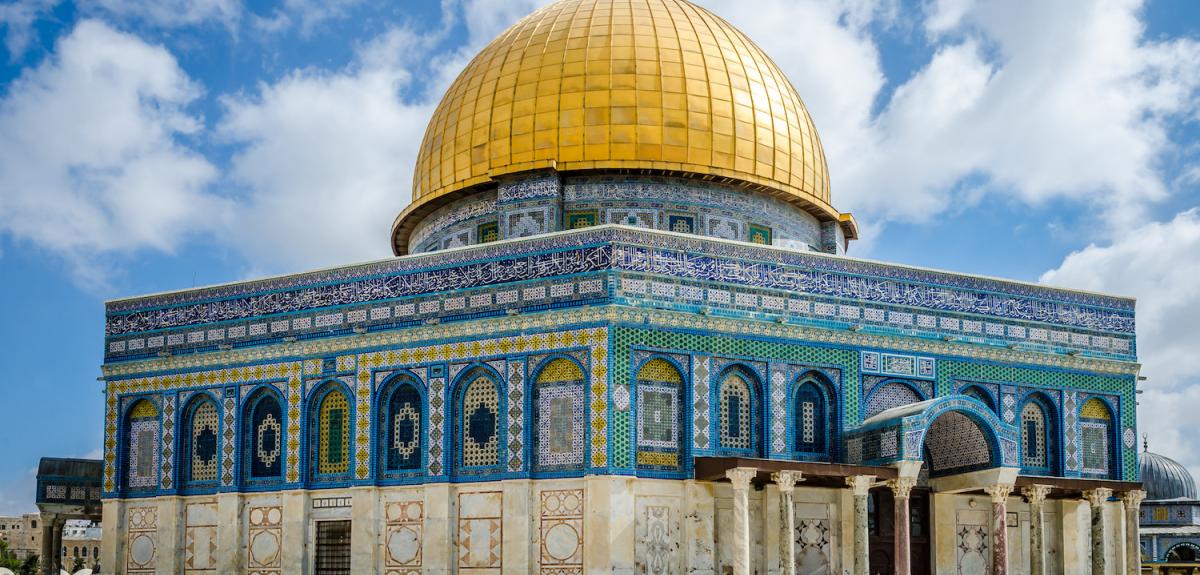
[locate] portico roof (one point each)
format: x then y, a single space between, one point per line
816 474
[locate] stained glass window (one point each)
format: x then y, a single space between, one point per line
1034 448
1095 427
479 423
200 441
810 416
560 415
263 437
401 434
333 434
736 413
659 385
142 448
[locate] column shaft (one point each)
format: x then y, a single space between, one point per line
1036 494
1133 544
862 487
1097 498
999 494
901 489
57 551
786 480
740 477
47 566
1000 538
903 553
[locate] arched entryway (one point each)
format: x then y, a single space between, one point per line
955 442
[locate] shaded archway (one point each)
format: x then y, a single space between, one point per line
955 442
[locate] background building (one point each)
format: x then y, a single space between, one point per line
81 540
622 336
1170 517
22 533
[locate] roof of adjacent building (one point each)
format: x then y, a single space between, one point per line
1164 478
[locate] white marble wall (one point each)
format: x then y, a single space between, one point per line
552 527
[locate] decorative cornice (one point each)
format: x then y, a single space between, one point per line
613 315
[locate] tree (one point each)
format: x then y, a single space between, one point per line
8 559
30 566
78 566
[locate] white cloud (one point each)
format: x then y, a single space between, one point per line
327 158
89 159
1032 99
826 50
1159 263
17 19
1039 99
171 13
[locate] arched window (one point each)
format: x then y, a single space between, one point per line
142 447
983 396
559 413
478 424
401 429
200 446
330 427
811 411
659 385
737 418
1182 553
262 437
889 395
1095 427
1037 437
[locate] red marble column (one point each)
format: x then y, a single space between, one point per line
901 489
999 494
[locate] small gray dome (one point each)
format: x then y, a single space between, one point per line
1165 478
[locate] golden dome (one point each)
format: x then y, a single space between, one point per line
646 85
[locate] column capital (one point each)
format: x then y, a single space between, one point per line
1098 495
787 480
740 477
861 484
902 486
999 492
1036 494
1133 499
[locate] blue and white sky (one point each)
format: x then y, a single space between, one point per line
150 145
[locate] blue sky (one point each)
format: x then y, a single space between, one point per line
155 145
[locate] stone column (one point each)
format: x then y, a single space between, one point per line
47 564
1097 497
901 488
1036 494
786 480
999 493
1133 544
740 477
861 484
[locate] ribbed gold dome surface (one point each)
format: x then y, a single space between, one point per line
660 85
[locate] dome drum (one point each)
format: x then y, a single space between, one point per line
546 201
